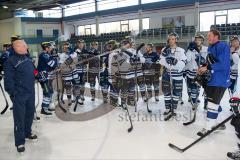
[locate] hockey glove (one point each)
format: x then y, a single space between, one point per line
166 52
235 104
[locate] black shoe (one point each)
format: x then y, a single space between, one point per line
234 155
202 132
51 109
46 112
93 98
21 148
156 99
32 137
167 111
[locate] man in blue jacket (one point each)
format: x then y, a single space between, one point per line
19 83
219 67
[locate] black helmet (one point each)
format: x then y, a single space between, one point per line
126 40
198 35
234 37
15 37
45 45
81 41
173 34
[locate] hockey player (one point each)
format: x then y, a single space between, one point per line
46 64
111 45
218 64
122 73
235 50
82 54
93 67
70 77
235 122
19 83
149 71
173 59
3 57
196 57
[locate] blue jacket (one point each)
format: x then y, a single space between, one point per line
221 68
19 75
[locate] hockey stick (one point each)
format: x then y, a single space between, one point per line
129 117
5 109
58 96
181 150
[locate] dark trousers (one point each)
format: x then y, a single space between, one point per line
23 112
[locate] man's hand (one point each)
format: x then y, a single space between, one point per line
202 70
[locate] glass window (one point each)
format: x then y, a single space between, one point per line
233 16
151 1
87 29
79 8
221 19
223 12
206 20
134 25
53 12
110 4
145 23
109 27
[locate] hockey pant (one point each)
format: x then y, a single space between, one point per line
232 87
92 81
214 96
23 113
83 78
152 80
141 84
47 93
171 100
193 90
104 83
236 123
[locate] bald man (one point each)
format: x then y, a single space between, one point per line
19 83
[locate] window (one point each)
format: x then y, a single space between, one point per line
206 20
222 12
233 16
53 13
110 4
134 25
87 29
151 1
109 27
145 23
80 8
221 19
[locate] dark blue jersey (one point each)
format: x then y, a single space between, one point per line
221 68
46 62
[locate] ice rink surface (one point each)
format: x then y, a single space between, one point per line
106 137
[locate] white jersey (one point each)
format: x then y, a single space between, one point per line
234 65
176 70
192 66
119 65
68 72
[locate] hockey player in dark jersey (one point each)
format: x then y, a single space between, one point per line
173 59
93 67
46 63
149 71
235 54
218 66
82 54
235 122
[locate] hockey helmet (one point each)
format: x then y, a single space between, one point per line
45 45
198 35
234 37
15 37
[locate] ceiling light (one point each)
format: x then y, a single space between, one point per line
5 7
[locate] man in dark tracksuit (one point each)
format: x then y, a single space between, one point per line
93 67
149 70
19 83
